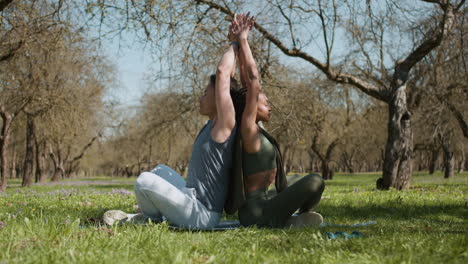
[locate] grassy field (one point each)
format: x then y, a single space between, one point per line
60 223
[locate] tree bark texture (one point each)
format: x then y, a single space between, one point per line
286 158
433 161
461 164
13 163
449 164
4 141
41 157
449 160
73 164
348 161
327 171
29 167
59 170
421 161
397 166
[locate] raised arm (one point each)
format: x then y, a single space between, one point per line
225 114
242 73
248 68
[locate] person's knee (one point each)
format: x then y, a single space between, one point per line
144 180
160 167
314 183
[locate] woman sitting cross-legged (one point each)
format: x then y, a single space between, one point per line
258 164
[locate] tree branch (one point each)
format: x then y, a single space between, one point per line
456 113
324 32
315 149
11 52
86 147
402 68
462 2
291 31
460 119
338 77
4 4
434 2
330 149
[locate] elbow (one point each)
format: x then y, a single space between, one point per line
252 74
223 71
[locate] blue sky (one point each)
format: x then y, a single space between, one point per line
132 62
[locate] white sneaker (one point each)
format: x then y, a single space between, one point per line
119 217
305 219
112 216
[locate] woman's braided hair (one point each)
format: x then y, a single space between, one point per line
238 95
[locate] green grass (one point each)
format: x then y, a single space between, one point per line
426 224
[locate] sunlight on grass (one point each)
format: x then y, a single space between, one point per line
426 224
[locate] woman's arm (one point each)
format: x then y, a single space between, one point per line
242 73
249 128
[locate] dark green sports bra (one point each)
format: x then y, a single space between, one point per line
263 160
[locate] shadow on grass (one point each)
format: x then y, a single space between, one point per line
414 219
393 212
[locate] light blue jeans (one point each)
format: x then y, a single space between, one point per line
162 192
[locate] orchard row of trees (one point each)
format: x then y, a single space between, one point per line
355 85
52 82
407 57
321 128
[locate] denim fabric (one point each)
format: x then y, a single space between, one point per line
163 193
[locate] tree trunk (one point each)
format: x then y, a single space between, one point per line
312 162
327 172
433 161
29 168
286 158
421 161
4 141
348 161
290 165
150 154
449 161
41 162
59 171
13 163
461 164
57 175
128 171
397 166
74 163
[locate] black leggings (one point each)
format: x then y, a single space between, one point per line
263 211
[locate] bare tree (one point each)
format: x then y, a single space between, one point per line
22 28
325 158
442 78
397 166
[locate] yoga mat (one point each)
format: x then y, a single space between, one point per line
221 226
231 225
